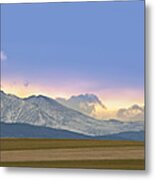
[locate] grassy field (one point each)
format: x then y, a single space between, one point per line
67 153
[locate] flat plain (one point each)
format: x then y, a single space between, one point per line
71 153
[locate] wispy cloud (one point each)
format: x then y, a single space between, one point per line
3 56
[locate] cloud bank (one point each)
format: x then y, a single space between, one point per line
133 113
85 103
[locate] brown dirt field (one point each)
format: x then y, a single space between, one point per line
72 153
103 153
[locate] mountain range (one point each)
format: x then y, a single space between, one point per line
46 112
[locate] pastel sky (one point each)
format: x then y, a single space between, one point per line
64 49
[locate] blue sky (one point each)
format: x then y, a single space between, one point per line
85 47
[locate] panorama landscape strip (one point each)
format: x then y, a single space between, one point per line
71 153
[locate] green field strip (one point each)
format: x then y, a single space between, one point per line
67 147
127 164
30 144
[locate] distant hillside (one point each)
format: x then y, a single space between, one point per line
135 136
29 131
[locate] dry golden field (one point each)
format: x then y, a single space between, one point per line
67 153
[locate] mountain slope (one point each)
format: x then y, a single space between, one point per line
29 131
46 112
14 109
